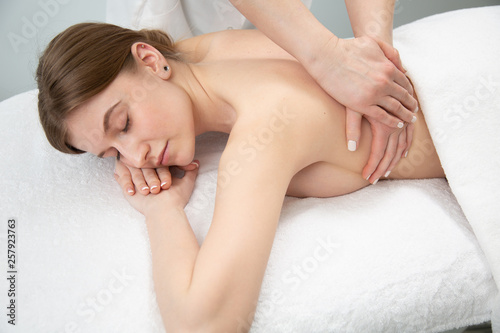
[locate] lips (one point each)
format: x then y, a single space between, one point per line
164 156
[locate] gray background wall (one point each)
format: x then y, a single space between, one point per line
26 26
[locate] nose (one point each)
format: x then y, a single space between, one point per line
134 155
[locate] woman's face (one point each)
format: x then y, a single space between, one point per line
142 118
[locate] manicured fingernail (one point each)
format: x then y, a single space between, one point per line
414 119
197 163
154 187
400 124
145 188
351 145
163 184
368 176
416 110
130 191
375 182
406 154
387 174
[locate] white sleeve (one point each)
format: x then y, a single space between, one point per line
166 15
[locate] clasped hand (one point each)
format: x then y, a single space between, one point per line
153 181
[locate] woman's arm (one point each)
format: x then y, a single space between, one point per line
215 287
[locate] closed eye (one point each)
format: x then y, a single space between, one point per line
124 130
127 126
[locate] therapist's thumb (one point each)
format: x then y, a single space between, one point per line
352 128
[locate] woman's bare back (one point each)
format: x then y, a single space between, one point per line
259 79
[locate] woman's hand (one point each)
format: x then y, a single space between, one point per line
177 196
145 181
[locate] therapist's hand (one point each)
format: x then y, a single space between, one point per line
367 76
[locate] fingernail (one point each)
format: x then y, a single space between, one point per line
163 184
145 188
130 191
387 174
196 162
368 176
351 145
406 154
375 182
400 124
154 187
416 110
414 119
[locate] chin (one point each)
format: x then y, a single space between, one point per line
184 159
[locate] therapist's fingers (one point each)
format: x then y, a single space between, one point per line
401 148
395 107
409 139
353 128
380 139
389 155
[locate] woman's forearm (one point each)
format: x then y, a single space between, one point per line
372 18
174 250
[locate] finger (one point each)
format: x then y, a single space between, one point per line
139 181
401 147
353 128
389 154
393 106
152 179
377 113
409 138
392 54
165 177
124 178
405 95
191 166
379 144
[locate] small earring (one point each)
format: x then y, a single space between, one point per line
166 68
142 45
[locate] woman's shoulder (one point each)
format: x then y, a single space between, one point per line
230 44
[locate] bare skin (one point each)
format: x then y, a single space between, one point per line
287 136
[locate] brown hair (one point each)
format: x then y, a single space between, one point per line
81 62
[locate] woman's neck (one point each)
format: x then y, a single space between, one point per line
210 111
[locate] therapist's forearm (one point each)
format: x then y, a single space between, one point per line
288 23
372 18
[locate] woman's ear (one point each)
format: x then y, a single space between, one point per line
146 56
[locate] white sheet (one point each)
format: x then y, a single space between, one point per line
395 257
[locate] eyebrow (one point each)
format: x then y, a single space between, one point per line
105 122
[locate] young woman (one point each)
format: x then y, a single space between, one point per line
133 95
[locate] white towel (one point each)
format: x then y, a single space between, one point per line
453 62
